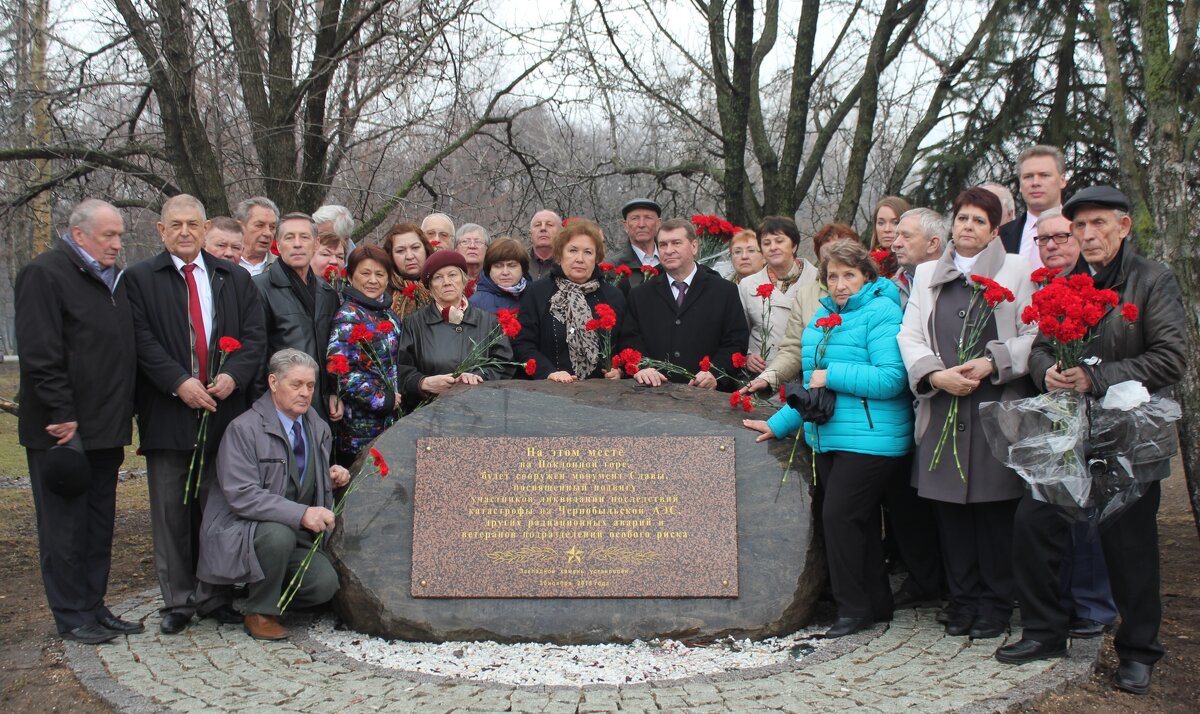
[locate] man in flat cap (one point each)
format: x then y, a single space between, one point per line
1150 350
642 218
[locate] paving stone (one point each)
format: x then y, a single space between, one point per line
907 668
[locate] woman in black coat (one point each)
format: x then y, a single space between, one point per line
556 309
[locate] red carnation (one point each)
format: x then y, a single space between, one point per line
782 396
739 360
649 271
274 249
624 271
1041 276
380 464
230 344
829 321
410 291
606 267
747 404
705 363
879 256
331 273
360 333
384 326
337 364
435 244
530 367
764 291
1129 311
735 399
606 316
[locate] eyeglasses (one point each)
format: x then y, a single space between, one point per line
472 241
1058 238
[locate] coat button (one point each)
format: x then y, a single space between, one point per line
962 427
677 353
678 322
962 313
458 328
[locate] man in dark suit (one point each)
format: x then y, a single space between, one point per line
641 219
685 314
184 302
1041 171
299 307
75 340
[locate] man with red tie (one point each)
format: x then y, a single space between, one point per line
184 301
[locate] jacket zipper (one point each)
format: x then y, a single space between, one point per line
867 409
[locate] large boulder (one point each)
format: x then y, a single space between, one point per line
779 559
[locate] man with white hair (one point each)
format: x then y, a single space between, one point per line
335 220
1008 205
471 241
78 362
438 230
920 237
186 305
258 217
542 228
275 495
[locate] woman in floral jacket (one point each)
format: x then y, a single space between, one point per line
364 354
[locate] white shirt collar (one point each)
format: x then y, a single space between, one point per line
644 258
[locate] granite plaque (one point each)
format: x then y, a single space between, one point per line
564 517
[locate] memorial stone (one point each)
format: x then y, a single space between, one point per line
749 566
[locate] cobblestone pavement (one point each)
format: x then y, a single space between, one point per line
907 666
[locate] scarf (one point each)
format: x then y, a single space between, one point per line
515 290
783 284
408 296
569 306
306 293
453 314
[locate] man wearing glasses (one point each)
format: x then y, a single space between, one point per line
1056 245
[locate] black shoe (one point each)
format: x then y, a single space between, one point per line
987 629
1025 650
174 622
226 615
848 626
1133 677
943 615
121 627
959 624
1084 629
92 634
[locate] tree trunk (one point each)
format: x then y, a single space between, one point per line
43 220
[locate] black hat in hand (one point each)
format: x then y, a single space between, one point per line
65 469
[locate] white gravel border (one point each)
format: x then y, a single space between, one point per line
527 664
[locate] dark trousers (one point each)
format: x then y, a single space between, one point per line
280 550
1086 592
913 529
75 537
977 549
852 487
176 529
1130 544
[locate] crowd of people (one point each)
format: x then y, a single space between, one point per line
262 353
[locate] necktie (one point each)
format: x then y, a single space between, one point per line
298 449
682 288
197 321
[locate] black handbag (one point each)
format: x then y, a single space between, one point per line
815 405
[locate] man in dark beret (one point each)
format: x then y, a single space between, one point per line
78 363
1150 350
641 220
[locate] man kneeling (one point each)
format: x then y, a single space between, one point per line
276 492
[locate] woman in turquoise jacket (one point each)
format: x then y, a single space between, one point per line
867 437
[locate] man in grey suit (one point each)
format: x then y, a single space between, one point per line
276 492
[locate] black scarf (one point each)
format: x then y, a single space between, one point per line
1107 276
306 293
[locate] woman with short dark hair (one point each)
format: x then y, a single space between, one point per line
502 280
556 309
788 275
866 436
364 353
974 502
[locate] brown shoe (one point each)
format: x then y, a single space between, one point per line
264 627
